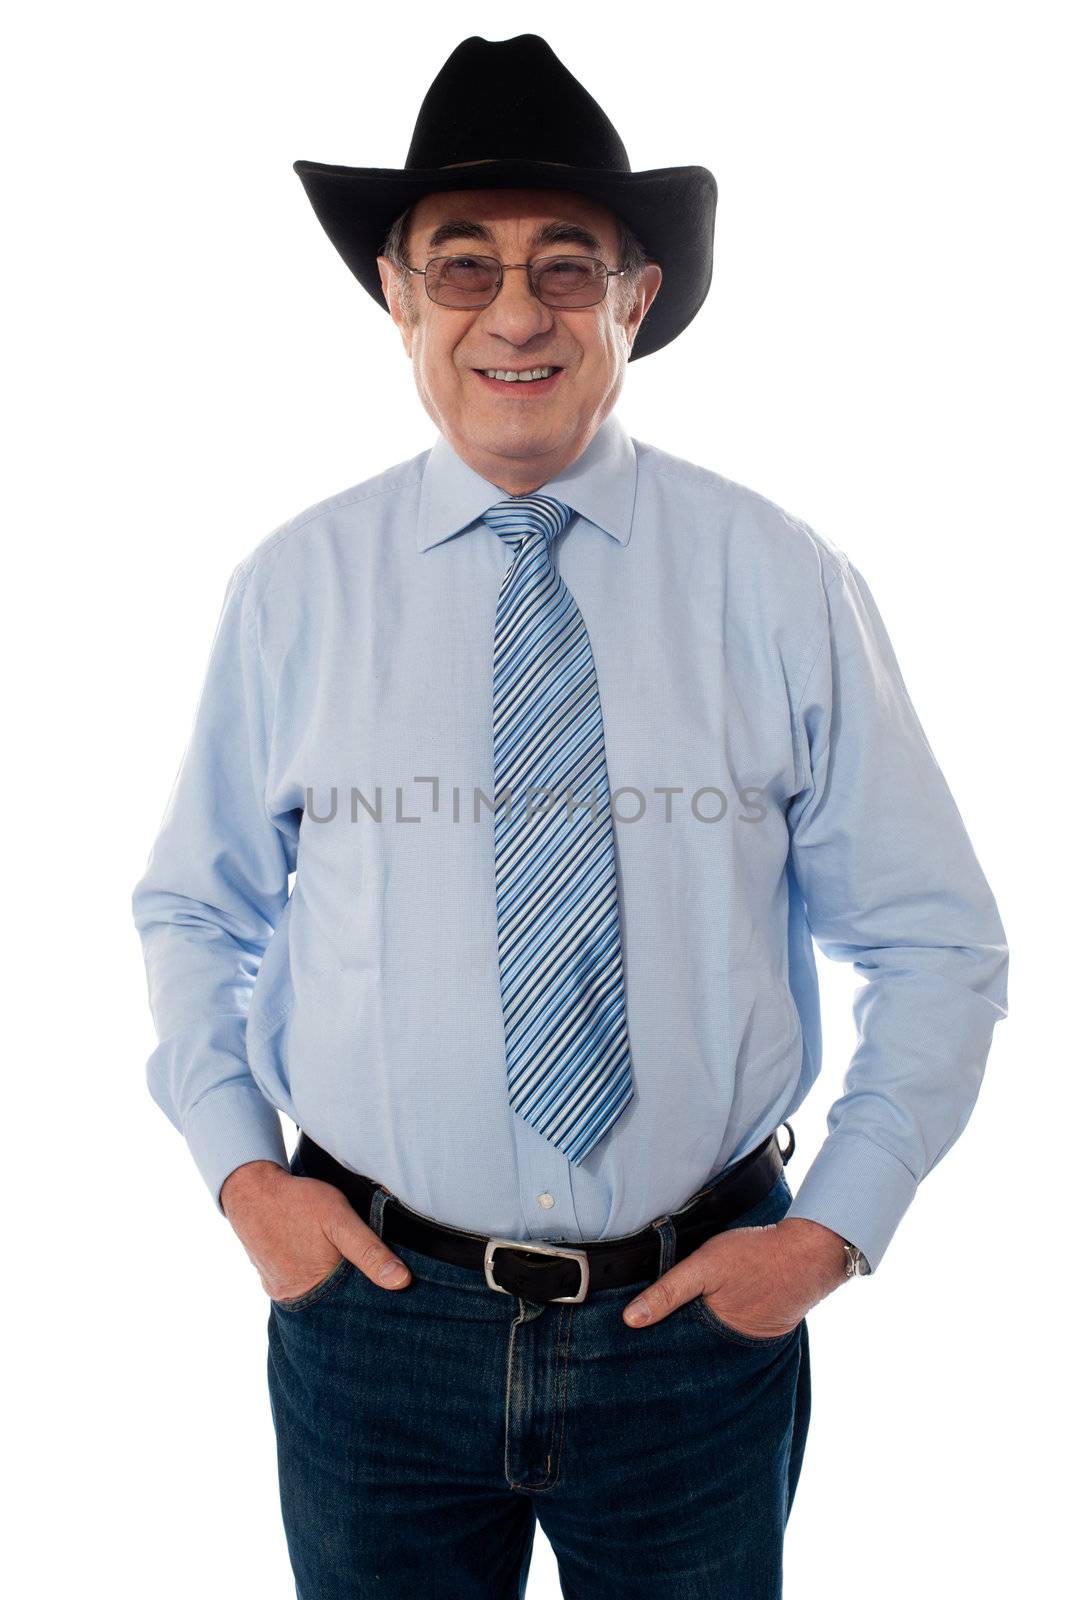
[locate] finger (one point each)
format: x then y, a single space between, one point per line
368 1251
673 1289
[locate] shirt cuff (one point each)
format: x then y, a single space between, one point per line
229 1126
857 1189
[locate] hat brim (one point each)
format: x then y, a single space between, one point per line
670 209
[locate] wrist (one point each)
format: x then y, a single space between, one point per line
821 1246
249 1178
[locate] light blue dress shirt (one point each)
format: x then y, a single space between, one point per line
318 910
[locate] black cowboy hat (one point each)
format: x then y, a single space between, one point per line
507 114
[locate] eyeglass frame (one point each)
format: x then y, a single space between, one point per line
518 266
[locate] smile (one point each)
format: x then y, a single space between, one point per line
527 381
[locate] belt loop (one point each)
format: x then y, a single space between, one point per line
381 1197
787 1154
667 1243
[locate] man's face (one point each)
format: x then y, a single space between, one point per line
516 434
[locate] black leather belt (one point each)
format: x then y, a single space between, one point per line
546 1273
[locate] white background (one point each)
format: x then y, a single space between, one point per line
189 363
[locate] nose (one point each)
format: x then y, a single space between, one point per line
515 314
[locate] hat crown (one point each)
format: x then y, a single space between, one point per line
512 99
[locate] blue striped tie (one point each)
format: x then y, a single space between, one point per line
560 967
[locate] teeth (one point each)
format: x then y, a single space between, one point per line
518 377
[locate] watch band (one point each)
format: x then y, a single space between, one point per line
857 1263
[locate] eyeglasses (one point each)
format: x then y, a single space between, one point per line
473 282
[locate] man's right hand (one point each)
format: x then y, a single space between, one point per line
296 1229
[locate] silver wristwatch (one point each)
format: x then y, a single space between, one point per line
857 1264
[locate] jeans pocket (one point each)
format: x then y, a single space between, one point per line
724 1330
318 1291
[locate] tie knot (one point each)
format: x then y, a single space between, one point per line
513 519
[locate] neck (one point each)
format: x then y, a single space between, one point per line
519 476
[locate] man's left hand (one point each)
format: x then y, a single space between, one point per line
761 1281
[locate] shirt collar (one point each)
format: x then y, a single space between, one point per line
600 486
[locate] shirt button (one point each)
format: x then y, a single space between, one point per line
546 1200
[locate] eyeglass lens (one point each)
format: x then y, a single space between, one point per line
474 280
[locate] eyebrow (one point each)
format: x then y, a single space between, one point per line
548 233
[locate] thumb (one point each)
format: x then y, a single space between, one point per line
367 1251
672 1290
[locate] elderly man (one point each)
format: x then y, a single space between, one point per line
573 748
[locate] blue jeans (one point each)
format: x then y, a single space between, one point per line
422 1433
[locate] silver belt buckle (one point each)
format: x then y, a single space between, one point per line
580 1256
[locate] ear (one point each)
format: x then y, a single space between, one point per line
390 276
649 284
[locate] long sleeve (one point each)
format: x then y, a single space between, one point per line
891 884
214 887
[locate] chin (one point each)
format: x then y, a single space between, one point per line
516 437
